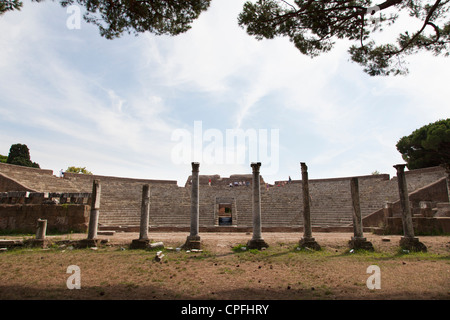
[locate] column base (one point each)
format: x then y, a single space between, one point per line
139 243
360 243
412 244
192 242
309 243
87 243
257 244
41 243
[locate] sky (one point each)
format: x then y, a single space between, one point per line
146 106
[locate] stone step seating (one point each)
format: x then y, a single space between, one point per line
42 180
329 207
170 205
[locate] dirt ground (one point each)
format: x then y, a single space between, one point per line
219 272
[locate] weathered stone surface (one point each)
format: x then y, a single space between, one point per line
41 229
95 206
309 243
139 243
281 202
41 243
192 242
4 243
87 243
412 244
257 244
360 243
155 245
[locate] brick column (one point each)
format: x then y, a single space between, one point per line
40 240
307 241
193 240
257 242
143 240
95 207
41 229
408 241
92 240
358 241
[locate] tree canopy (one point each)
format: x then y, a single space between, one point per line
19 154
81 170
9 5
160 17
313 26
427 146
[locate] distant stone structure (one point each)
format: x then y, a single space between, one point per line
224 203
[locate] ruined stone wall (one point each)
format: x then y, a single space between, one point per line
62 218
281 204
64 212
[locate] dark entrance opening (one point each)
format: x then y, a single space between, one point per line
225 216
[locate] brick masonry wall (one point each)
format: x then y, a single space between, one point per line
62 218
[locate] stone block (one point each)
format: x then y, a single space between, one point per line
412 244
257 244
87 243
309 243
192 242
139 243
360 243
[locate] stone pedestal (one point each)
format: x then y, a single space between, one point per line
139 243
41 229
257 244
412 244
192 242
309 243
360 243
37 243
87 243
40 240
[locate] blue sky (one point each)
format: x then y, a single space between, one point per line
77 99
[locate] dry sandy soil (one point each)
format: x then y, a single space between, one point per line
218 272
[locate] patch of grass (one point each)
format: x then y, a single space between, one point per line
241 248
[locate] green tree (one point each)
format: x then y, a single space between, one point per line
427 146
314 26
3 158
9 5
161 17
19 154
78 170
